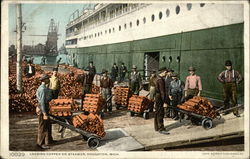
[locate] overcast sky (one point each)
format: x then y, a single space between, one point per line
37 18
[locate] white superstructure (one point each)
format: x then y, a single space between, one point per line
115 23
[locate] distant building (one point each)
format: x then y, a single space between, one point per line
38 49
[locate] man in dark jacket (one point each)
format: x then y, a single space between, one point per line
122 72
230 79
44 125
160 99
135 81
106 85
114 72
92 70
168 79
29 70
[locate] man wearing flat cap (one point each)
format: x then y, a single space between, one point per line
43 94
106 85
135 80
175 92
54 84
193 86
230 79
92 70
160 99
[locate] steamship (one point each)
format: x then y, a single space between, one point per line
151 35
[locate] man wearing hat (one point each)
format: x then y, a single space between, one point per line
54 84
106 85
168 79
152 83
43 94
193 86
175 92
114 72
160 99
135 80
29 70
122 72
87 81
230 79
92 70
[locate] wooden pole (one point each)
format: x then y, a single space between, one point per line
19 46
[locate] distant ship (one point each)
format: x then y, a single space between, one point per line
151 35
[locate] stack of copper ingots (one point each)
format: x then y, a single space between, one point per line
122 95
199 105
70 88
61 107
139 103
95 89
91 123
93 103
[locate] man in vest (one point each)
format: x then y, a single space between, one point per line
160 99
193 86
175 93
135 80
230 79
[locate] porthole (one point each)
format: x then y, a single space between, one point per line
120 28
109 31
202 4
153 17
113 29
144 20
177 9
137 22
98 33
95 34
189 6
125 26
130 24
101 32
167 12
160 15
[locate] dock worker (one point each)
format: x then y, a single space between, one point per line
54 84
230 78
106 85
168 79
160 99
114 72
29 70
175 93
92 70
122 72
152 83
135 80
193 86
87 81
43 93
43 60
